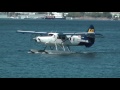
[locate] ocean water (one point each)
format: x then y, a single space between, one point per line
102 60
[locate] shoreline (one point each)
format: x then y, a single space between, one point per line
91 18
67 18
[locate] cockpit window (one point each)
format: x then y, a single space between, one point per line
50 34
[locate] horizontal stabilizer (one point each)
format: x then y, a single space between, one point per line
99 35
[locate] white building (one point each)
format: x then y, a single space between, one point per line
57 14
115 14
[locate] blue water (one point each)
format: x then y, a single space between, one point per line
102 60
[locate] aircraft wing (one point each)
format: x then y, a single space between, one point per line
96 34
30 32
75 33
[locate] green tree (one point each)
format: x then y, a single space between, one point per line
75 14
107 14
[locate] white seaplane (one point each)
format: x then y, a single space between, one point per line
61 42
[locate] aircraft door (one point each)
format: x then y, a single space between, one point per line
52 38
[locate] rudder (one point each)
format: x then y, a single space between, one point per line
91 29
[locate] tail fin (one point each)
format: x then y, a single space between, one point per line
90 36
91 29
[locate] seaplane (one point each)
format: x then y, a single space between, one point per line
59 42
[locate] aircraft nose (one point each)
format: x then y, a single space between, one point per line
35 39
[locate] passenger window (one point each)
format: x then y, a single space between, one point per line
61 37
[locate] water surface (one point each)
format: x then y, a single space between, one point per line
102 60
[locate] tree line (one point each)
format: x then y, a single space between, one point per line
90 14
75 14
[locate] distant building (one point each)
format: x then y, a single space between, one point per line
115 15
55 15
